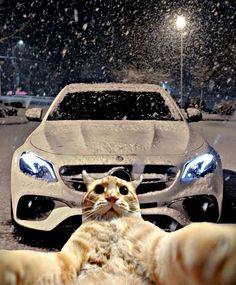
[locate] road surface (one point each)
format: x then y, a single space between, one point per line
221 135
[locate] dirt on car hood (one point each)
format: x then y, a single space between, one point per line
115 137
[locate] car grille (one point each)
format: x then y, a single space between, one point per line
155 177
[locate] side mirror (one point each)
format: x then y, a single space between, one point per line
34 114
193 115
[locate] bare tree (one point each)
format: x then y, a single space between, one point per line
132 74
201 73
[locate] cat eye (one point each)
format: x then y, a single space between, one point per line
124 190
99 189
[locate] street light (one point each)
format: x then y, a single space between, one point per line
180 25
20 43
180 22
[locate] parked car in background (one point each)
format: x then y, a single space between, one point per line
115 129
18 92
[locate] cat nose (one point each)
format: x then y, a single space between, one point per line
111 199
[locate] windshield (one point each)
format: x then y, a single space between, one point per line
112 105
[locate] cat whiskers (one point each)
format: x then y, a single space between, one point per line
101 203
92 215
123 205
89 200
87 214
92 211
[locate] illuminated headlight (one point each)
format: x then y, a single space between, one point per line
198 167
35 166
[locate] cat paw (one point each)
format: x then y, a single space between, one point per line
10 274
208 252
9 277
14 270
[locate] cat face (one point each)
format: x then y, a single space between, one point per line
110 197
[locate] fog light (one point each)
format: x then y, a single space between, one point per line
202 208
34 207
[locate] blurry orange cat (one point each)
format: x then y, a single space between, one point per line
115 246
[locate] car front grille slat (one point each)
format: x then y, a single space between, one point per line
155 177
151 186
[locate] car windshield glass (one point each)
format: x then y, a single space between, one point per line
112 105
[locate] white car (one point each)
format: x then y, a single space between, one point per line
122 130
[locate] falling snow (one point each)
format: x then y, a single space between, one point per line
76 15
85 26
78 38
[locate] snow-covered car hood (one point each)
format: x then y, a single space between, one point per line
115 137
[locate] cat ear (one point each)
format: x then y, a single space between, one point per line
87 179
137 182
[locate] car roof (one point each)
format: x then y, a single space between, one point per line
83 87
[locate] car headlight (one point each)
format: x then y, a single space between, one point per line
35 166
198 167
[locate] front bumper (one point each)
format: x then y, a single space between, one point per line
42 205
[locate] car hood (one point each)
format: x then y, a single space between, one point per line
115 137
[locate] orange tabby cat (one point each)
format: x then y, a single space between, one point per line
115 246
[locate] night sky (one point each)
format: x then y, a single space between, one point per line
86 41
